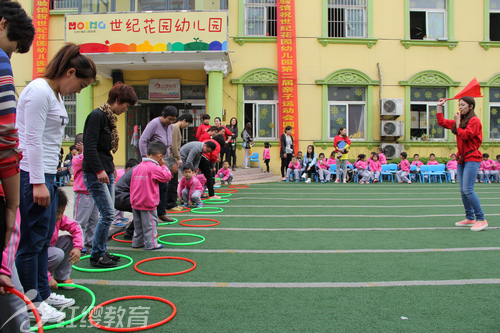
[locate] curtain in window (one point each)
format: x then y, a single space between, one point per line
356 129
495 113
265 118
338 118
435 25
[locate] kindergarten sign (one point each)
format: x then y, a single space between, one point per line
148 32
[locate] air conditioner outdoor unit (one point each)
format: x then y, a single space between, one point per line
392 128
391 107
392 150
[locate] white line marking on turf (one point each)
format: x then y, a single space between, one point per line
350 199
342 216
287 284
320 229
357 206
117 248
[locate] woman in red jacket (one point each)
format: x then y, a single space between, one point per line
467 127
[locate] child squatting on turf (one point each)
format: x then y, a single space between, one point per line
403 173
225 173
145 195
190 187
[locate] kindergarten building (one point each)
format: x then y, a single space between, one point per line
375 67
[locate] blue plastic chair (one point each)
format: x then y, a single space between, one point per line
386 171
425 173
437 173
414 176
254 158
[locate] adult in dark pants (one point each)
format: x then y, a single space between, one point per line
286 150
193 153
100 138
182 122
231 146
160 129
208 164
228 134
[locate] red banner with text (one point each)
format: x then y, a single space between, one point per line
287 69
41 42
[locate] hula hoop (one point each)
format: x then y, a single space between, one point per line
227 190
239 186
179 211
181 244
225 195
132 329
80 316
201 210
120 240
30 304
167 223
199 225
164 274
105 269
216 186
216 201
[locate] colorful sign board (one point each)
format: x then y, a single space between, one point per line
287 68
148 32
165 89
41 41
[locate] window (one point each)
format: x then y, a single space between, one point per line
494 113
70 129
428 19
423 111
160 5
347 18
64 4
261 106
260 18
347 108
494 20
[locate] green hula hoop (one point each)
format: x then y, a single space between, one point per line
181 244
215 201
207 210
105 269
225 195
72 320
167 223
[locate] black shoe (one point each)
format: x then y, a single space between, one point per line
127 237
112 257
103 262
165 218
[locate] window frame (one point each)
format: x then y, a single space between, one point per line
242 38
369 41
487 43
493 82
70 103
266 20
427 111
345 8
451 43
430 79
255 118
331 136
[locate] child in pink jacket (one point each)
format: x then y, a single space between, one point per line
363 173
381 156
225 174
266 156
451 166
190 188
432 160
64 250
488 168
145 195
403 173
376 168
323 168
294 166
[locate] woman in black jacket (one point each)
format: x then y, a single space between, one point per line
286 150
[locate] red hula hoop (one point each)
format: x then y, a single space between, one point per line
132 329
200 225
226 191
239 186
120 240
30 304
165 274
179 211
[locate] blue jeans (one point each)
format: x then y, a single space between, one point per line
104 198
466 174
37 227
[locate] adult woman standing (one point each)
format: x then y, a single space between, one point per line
286 150
341 153
246 135
228 134
468 130
231 146
41 118
100 137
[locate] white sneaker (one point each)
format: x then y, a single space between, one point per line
308 180
304 175
48 314
59 301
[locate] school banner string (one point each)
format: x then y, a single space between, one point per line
472 90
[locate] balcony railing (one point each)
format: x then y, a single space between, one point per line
105 6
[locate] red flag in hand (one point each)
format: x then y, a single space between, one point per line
472 90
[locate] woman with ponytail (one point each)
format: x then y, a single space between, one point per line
41 118
468 130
